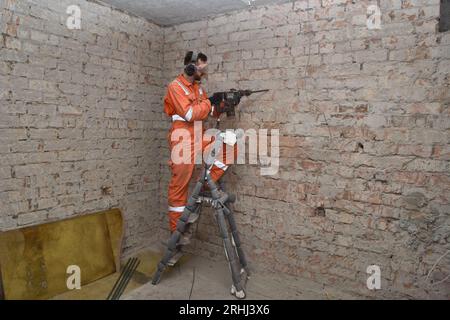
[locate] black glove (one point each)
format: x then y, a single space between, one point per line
216 99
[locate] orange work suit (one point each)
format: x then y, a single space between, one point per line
186 102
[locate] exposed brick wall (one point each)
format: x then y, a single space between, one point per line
363 117
78 111
364 123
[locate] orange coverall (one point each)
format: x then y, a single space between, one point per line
186 102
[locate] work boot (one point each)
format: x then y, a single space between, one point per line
177 256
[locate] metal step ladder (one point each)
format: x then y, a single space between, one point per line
224 216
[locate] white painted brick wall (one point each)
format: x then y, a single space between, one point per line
82 109
77 113
386 90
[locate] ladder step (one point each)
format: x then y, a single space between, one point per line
193 217
177 256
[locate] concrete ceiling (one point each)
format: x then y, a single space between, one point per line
172 12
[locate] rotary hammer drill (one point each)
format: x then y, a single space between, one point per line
228 100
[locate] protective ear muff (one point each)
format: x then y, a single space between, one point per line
190 68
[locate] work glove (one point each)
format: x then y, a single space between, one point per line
220 105
215 99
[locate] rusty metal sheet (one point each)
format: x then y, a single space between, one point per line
34 260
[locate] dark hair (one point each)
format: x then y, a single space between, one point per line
188 57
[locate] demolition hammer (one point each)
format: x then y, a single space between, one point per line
230 99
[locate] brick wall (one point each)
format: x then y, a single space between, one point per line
364 124
78 112
363 117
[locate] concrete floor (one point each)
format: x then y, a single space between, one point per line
100 289
213 281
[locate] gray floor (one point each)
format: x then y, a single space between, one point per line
212 280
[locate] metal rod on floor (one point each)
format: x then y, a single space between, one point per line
119 279
126 279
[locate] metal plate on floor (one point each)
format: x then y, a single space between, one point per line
34 260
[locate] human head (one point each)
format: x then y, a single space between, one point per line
195 65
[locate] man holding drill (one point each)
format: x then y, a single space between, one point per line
185 102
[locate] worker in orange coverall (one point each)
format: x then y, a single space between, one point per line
185 102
